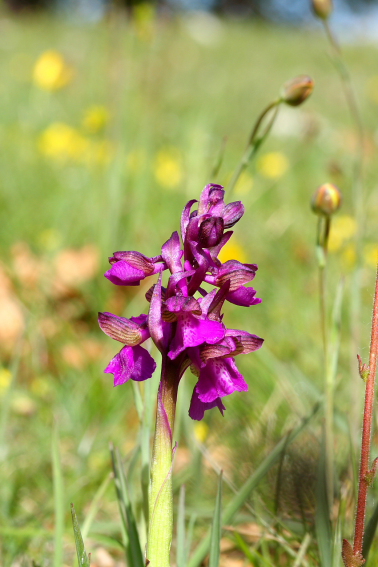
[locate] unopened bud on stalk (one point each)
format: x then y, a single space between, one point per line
326 200
322 8
295 91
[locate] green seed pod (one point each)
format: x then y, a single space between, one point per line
322 8
326 200
295 91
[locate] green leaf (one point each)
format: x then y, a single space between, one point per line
216 528
82 557
243 494
322 516
133 547
95 505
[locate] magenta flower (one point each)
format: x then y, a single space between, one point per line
129 268
133 361
185 320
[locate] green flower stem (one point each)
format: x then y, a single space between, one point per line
324 226
255 141
160 497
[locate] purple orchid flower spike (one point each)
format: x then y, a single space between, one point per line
187 329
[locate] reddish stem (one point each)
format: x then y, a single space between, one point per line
364 481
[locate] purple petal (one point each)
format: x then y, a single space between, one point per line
232 213
140 320
136 260
211 199
185 217
237 273
159 330
214 251
182 305
133 363
191 332
211 231
249 342
203 264
220 377
244 296
121 273
172 253
216 304
121 329
198 408
227 347
176 280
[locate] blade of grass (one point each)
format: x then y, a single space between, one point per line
302 551
239 499
95 505
133 548
322 515
252 555
84 560
58 500
216 528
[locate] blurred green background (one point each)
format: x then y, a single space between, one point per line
107 129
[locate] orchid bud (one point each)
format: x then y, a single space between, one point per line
295 91
232 213
322 8
326 200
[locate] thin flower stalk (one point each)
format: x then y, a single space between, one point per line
325 202
324 225
353 557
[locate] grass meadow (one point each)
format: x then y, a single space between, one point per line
106 131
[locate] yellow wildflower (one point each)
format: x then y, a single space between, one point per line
95 118
51 72
371 254
167 168
273 165
62 142
343 228
201 431
5 379
232 251
244 184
